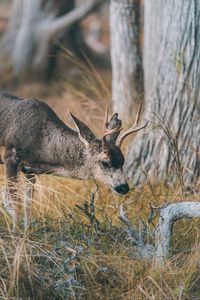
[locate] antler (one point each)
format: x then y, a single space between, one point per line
108 131
133 129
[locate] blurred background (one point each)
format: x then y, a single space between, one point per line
57 51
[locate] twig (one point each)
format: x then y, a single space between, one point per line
145 250
89 210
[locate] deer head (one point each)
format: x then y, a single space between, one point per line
104 156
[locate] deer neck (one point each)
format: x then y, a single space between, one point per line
68 154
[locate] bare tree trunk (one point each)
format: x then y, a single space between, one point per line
172 151
153 31
127 72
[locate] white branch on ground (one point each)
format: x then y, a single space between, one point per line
168 215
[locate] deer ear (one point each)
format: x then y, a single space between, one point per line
84 132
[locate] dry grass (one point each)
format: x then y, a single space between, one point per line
65 255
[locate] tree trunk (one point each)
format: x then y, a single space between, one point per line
171 151
153 31
127 72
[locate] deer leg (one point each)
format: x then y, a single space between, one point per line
11 195
28 195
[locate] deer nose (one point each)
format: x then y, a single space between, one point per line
122 189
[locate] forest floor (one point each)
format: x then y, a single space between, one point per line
66 254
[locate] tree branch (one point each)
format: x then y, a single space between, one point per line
69 19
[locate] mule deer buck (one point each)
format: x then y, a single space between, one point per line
34 140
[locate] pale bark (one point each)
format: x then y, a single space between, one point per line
168 215
172 150
153 31
127 73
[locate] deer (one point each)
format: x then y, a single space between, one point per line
34 140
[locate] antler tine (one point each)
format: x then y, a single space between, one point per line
109 132
138 114
133 128
126 133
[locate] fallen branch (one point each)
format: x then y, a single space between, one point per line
168 215
145 250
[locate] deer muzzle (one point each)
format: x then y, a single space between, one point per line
121 189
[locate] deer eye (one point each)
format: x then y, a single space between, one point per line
105 164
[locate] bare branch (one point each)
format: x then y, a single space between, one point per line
133 234
144 250
169 214
69 19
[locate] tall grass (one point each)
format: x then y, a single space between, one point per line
66 256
